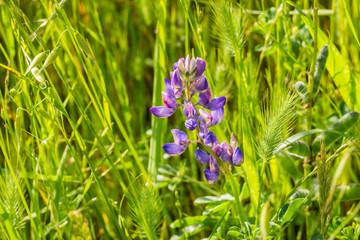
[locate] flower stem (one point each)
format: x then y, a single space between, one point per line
238 208
227 171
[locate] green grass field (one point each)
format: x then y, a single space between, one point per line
81 154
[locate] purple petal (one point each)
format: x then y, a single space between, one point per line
168 88
175 66
213 164
202 156
226 154
191 124
216 117
210 176
203 129
169 101
190 111
173 148
175 79
192 66
204 115
187 64
202 84
204 98
211 140
186 112
238 157
162 111
181 66
180 137
201 65
178 93
218 150
215 103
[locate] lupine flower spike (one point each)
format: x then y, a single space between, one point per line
188 79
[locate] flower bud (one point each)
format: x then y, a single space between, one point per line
41 56
181 67
238 157
233 141
218 150
191 124
52 56
193 66
187 65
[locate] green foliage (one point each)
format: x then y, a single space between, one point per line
335 131
279 121
229 29
319 67
299 149
146 209
289 209
323 175
302 90
349 192
10 201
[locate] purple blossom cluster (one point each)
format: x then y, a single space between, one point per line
188 79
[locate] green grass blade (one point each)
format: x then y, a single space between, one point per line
158 125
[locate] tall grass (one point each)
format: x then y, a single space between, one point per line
81 154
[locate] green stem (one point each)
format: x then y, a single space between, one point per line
310 97
227 171
311 86
239 211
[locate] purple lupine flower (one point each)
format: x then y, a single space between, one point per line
190 110
212 175
190 113
218 150
185 66
200 67
212 104
169 102
191 124
181 143
238 157
226 154
195 67
168 87
231 154
176 84
187 79
203 129
213 118
162 111
175 79
199 85
211 140
202 156
190 66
